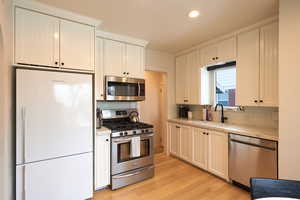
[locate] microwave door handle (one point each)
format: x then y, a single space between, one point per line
139 90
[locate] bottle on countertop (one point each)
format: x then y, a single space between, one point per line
98 118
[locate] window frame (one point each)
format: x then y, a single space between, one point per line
214 96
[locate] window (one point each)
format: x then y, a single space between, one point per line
225 86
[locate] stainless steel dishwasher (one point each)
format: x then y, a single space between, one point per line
251 157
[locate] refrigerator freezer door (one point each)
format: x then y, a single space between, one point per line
60 179
54 115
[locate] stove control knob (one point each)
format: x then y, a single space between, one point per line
134 132
125 133
121 134
147 130
143 131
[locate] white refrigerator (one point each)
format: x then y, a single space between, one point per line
54 135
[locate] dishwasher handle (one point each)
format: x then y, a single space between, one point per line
252 144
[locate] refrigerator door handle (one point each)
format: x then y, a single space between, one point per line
24 183
23 111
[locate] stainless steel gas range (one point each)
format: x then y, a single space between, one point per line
131 148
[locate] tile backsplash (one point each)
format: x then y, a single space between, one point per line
104 105
252 116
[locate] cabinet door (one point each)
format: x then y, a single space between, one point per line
193 78
114 58
226 50
102 161
248 68
200 147
99 74
209 55
174 139
77 46
181 74
135 61
218 154
186 143
269 65
36 38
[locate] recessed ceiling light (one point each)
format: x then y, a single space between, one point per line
194 13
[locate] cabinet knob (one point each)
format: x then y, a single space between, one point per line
107 140
101 95
255 101
124 73
217 58
127 73
261 101
62 64
214 58
56 63
177 126
186 100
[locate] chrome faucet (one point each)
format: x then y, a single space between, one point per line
222 112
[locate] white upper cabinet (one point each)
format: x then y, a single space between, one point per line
191 81
135 61
223 51
181 80
248 68
77 46
269 65
226 50
44 40
257 67
114 58
99 70
36 38
209 55
121 59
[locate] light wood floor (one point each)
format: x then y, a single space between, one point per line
175 179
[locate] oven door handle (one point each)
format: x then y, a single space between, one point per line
132 174
117 141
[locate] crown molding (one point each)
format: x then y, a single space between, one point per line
121 38
56 12
226 36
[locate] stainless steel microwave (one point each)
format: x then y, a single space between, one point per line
124 89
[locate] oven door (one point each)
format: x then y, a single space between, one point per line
124 89
121 156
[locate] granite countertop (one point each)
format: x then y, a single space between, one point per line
103 130
252 131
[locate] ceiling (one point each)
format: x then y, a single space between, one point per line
165 23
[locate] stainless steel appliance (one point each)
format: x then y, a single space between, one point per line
127 168
124 89
251 157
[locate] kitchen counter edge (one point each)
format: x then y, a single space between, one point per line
262 133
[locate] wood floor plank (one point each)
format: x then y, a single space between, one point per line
176 180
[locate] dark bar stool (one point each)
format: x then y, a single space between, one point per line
263 188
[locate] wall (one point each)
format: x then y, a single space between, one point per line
289 98
151 110
6 136
164 62
251 116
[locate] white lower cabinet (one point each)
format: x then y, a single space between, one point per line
174 139
102 161
218 154
186 143
200 148
204 148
